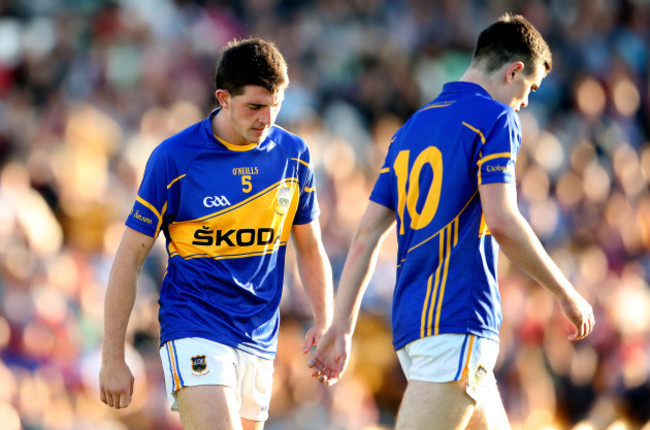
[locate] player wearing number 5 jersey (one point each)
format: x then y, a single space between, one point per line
448 183
227 193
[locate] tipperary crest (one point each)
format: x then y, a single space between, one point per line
479 375
284 199
199 364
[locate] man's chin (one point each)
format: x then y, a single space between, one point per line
257 137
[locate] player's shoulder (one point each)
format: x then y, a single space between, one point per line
291 143
468 98
183 145
490 108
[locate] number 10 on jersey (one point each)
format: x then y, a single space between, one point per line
408 198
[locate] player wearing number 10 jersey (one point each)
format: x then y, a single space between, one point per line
446 261
448 183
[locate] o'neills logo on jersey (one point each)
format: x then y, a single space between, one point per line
205 236
215 201
245 171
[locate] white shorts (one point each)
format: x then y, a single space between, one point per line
196 361
452 357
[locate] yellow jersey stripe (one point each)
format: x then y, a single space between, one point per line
175 180
440 105
423 323
477 131
442 229
150 207
437 286
488 158
309 189
162 213
494 156
300 161
443 283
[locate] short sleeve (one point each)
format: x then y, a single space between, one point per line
148 210
308 208
381 192
498 154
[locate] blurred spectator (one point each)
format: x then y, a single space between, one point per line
88 88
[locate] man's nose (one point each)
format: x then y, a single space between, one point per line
265 116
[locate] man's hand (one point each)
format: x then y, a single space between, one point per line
331 357
580 314
115 384
312 337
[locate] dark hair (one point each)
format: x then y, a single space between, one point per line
250 62
512 38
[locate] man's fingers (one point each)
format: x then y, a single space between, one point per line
317 369
125 399
313 362
331 381
109 399
307 345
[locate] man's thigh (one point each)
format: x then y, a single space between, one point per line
208 407
435 406
451 381
491 414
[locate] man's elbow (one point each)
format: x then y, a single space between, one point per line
500 227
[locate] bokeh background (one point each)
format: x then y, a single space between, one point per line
89 87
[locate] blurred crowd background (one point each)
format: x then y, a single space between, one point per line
89 87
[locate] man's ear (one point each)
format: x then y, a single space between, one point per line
223 97
513 69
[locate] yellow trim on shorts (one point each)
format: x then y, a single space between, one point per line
177 379
469 354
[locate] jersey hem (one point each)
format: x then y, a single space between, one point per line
484 333
246 347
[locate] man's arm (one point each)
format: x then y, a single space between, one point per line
518 241
316 276
115 378
332 354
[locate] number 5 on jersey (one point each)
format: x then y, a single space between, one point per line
246 183
409 198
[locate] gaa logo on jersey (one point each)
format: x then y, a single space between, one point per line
199 364
284 199
215 201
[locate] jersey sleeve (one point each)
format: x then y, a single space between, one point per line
498 154
150 204
308 208
382 191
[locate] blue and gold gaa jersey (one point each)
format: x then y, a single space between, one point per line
446 273
226 212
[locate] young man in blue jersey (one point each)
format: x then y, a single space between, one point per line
227 193
448 182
